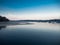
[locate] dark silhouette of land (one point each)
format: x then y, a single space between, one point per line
3 19
49 21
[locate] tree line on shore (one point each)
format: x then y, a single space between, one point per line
3 19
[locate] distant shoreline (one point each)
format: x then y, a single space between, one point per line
49 21
24 22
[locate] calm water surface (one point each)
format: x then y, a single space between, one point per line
32 34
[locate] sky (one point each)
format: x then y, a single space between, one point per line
30 9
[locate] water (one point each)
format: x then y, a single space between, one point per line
31 34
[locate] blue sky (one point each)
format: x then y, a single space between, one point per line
30 9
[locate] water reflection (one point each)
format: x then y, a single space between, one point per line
1 27
35 34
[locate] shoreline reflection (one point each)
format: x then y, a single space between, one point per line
1 27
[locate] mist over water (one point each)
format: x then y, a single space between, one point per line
31 34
